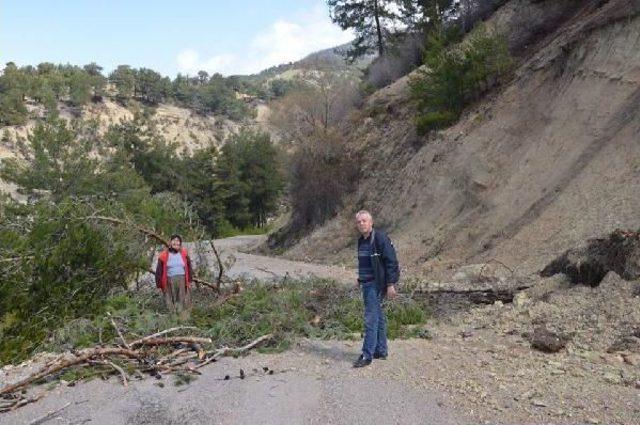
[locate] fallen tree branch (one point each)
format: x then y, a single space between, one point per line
63 363
472 291
146 363
195 279
226 350
183 360
141 229
114 366
172 355
160 239
205 283
157 334
20 402
171 340
121 371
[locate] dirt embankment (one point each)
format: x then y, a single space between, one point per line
544 163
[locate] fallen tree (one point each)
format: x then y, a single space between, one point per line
143 356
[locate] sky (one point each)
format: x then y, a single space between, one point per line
185 36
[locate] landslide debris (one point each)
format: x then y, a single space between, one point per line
588 265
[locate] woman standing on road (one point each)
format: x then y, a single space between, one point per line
173 276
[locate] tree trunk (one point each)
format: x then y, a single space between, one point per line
376 14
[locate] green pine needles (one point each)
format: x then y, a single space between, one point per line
457 73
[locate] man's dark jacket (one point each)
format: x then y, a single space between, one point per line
384 261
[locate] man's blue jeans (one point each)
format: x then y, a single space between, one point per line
375 322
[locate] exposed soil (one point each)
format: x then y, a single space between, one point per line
545 162
588 265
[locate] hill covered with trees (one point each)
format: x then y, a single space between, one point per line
48 84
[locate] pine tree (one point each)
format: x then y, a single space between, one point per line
124 78
372 20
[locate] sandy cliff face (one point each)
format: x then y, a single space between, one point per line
187 130
181 126
551 159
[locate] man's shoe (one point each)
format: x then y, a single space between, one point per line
379 357
362 362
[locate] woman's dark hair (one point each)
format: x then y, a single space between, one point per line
176 236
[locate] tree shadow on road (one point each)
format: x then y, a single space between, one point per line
330 350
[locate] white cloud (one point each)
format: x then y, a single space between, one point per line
282 42
189 62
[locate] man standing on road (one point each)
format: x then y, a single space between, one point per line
378 274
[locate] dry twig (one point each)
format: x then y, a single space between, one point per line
124 341
121 371
166 331
220 267
49 415
224 351
171 340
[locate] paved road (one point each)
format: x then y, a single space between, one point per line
267 268
312 384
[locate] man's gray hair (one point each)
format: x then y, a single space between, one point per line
364 212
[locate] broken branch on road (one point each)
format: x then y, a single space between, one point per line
141 354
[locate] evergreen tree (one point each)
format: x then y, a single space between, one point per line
13 88
124 79
259 170
63 263
151 87
372 20
199 184
79 88
181 89
232 190
149 154
423 15
248 179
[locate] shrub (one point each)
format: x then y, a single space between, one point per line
435 120
457 74
401 58
322 172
